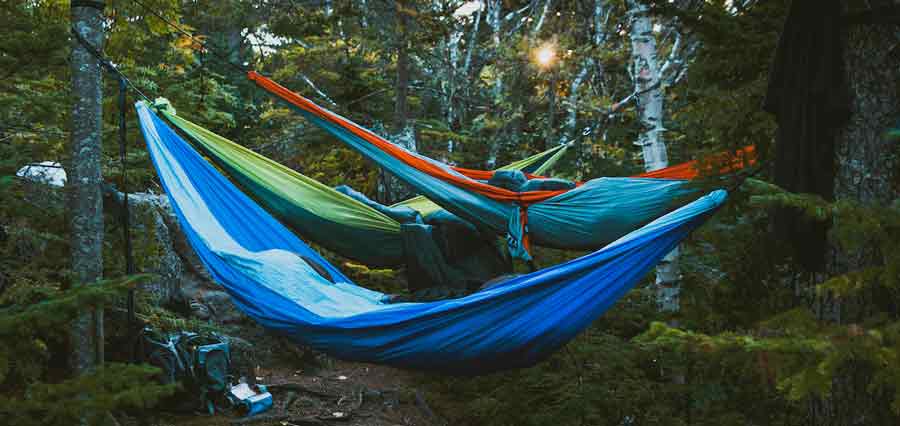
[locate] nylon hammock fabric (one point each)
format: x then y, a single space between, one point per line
587 217
535 165
516 323
316 211
719 163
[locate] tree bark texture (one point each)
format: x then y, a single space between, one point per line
866 160
807 95
550 133
866 172
396 190
402 83
646 73
85 184
494 21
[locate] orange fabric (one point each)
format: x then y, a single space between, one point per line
490 191
684 171
691 170
523 217
474 174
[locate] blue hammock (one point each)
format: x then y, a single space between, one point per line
513 324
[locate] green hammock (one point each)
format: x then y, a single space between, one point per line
319 213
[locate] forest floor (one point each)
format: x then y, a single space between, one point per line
311 389
343 393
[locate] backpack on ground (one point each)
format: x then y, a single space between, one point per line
200 363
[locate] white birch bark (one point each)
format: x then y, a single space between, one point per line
646 72
540 22
473 41
364 13
572 101
494 21
598 22
451 84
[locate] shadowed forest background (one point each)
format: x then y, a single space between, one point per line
786 308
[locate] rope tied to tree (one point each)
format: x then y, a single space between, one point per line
125 216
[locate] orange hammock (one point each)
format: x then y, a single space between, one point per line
470 177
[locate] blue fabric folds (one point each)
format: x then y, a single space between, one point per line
513 324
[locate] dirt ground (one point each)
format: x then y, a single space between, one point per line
342 394
311 389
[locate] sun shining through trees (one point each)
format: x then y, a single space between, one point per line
545 55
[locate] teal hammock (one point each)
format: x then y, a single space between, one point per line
584 218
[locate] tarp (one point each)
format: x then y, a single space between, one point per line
516 323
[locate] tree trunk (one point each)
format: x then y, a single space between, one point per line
550 136
402 86
598 24
85 184
363 14
540 21
404 135
450 84
572 101
646 73
466 69
470 49
494 22
865 173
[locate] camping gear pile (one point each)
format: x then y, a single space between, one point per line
200 364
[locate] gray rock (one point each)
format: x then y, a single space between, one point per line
222 309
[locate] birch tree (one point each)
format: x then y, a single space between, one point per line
598 22
650 78
450 82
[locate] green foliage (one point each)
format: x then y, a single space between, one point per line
600 378
90 397
33 335
799 353
755 339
